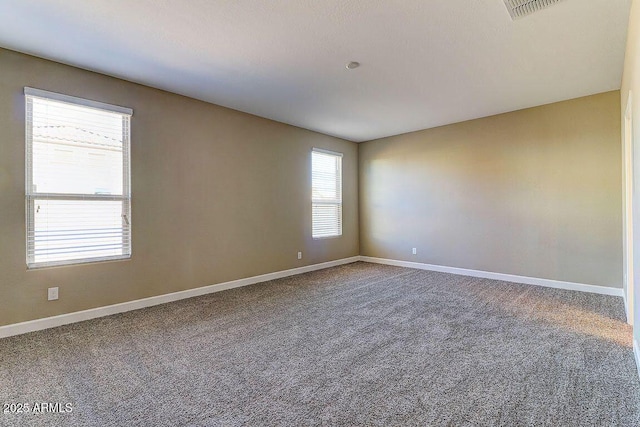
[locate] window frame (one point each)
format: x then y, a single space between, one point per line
337 202
31 196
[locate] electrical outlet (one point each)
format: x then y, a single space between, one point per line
299 255
414 251
52 294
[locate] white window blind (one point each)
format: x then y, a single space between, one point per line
78 189
326 183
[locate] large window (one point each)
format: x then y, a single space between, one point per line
326 183
78 189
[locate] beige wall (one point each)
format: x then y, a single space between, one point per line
532 193
217 195
631 84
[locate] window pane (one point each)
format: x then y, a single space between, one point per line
76 150
327 220
77 229
325 176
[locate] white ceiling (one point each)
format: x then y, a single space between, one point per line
425 63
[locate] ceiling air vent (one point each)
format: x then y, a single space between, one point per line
519 8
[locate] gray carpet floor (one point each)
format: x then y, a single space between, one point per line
360 344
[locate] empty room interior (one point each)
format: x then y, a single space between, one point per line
336 212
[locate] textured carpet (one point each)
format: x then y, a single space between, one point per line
360 344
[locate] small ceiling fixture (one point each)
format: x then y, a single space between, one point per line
519 8
353 64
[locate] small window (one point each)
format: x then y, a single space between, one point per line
78 189
326 183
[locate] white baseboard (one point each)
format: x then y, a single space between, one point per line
79 316
604 290
636 353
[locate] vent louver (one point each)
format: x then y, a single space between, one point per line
519 8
